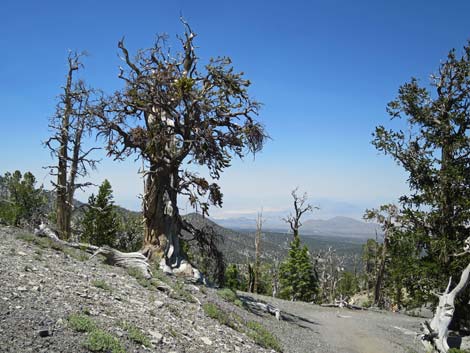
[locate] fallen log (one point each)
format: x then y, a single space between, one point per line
341 303
135 260
268 308
348 306
113 257
127 260
265 307
44 231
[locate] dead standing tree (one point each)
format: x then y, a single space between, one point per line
171 112
258 234
387 216
300 208
329 267
70 124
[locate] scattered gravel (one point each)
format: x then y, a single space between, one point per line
41 287
311 328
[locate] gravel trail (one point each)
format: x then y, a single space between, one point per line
312 328
40 287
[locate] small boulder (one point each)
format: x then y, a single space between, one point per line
206 341
156 337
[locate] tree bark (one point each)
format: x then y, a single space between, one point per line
251 279
113 257
162 223
259 225
260 306
62 207
381 269
161 217
436 331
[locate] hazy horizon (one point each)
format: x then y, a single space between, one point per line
324 72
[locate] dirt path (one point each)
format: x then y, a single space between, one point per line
41 286
349 332
345 334
326 330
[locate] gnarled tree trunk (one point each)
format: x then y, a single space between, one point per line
161 217
162 223
436 332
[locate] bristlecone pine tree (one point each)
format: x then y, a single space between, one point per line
434 149
100 221
172 112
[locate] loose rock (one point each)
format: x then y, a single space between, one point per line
156 337
206 340
45 333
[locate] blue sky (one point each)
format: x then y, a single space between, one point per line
323 69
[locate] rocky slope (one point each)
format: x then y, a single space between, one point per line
55 299
43 289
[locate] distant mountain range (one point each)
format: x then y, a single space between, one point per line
239 246
341 227
346 235
337 227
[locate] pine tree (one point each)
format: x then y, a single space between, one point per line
100 222
370 260
232 277
20 201
432 144
131 233
296 274
173 111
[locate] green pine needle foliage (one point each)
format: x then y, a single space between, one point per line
296 274
20 201
100 222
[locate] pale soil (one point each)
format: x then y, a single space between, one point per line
328 330
40 288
